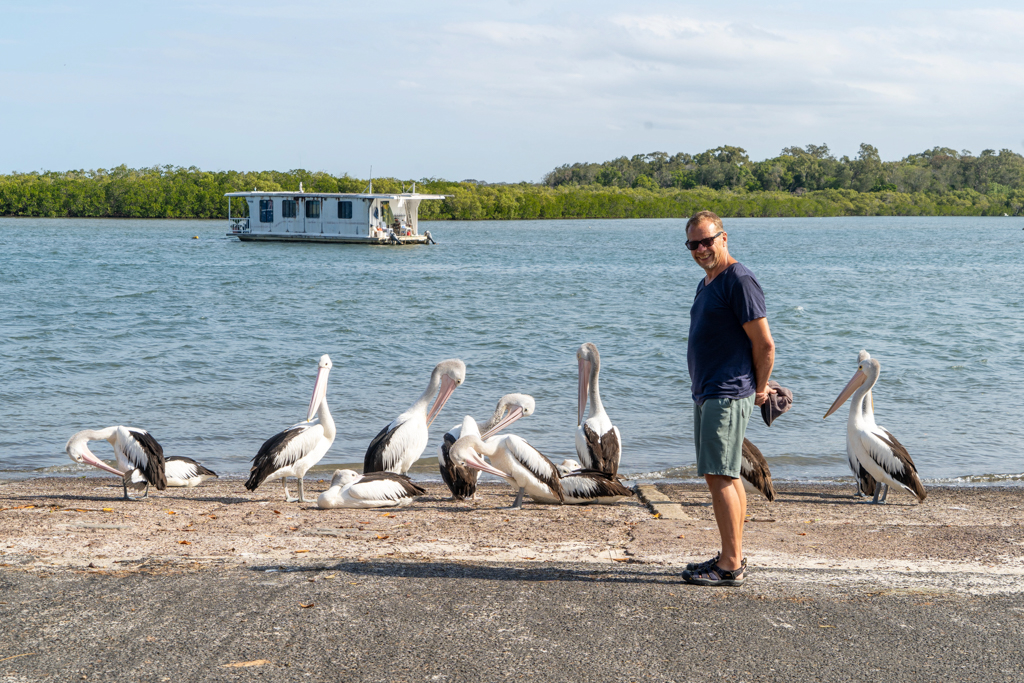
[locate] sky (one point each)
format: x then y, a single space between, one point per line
501 91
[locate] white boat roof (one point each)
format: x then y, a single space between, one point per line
358 195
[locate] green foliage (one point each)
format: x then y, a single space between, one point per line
800 182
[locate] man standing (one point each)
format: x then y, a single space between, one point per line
730 354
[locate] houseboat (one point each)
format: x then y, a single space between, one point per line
349 218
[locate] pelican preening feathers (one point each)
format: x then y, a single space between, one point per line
871 447
461 480
515 461
292 452
179 470
598 444
134 449
400 444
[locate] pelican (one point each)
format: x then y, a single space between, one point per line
515 461
754 472
375 490
568 467
401 443
590 486
873 447
462 481
598 444
133 448
179 471
292 452
863 482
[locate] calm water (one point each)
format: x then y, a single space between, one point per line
212 344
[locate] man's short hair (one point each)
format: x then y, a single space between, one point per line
702 217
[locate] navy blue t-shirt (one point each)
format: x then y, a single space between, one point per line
718 351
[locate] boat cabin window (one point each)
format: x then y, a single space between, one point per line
266 211
288 208
344 209
312 208
386 214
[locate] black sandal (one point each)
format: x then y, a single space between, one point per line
715 576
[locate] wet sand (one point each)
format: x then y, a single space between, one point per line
84 523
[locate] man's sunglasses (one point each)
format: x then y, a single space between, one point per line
707 242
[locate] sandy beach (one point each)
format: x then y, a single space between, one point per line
84 523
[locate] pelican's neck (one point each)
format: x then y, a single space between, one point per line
596 407
499 412
326 421
861 411
86 435
424 400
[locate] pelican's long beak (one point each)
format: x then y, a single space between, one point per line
584 387
91 459
476 462
513 415
858 379
447 387
319 391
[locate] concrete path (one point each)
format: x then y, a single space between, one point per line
471 621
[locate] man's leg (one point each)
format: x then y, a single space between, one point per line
729 501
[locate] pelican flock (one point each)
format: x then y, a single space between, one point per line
598 443
401 443
292 452
872 447
876 457
461 480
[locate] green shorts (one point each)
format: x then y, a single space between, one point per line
719 426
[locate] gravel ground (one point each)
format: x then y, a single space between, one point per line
215 583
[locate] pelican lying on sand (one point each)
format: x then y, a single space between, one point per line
349 489
462 481
179 471
134 449
400 444
873 447
515 461
590 486
292 452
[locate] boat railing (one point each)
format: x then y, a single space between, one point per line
239 226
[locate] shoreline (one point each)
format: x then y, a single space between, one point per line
84 524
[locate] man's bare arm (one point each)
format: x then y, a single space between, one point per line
763 350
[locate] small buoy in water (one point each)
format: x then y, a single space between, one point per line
195 237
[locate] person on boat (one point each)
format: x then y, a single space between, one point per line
730 354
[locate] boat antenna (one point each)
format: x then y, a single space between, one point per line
369 190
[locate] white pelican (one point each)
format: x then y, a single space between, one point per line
515 461
568 467
873 447
133 448
755 473
461 480
292 452
598 444
375 490
864 482
179 471
401 443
